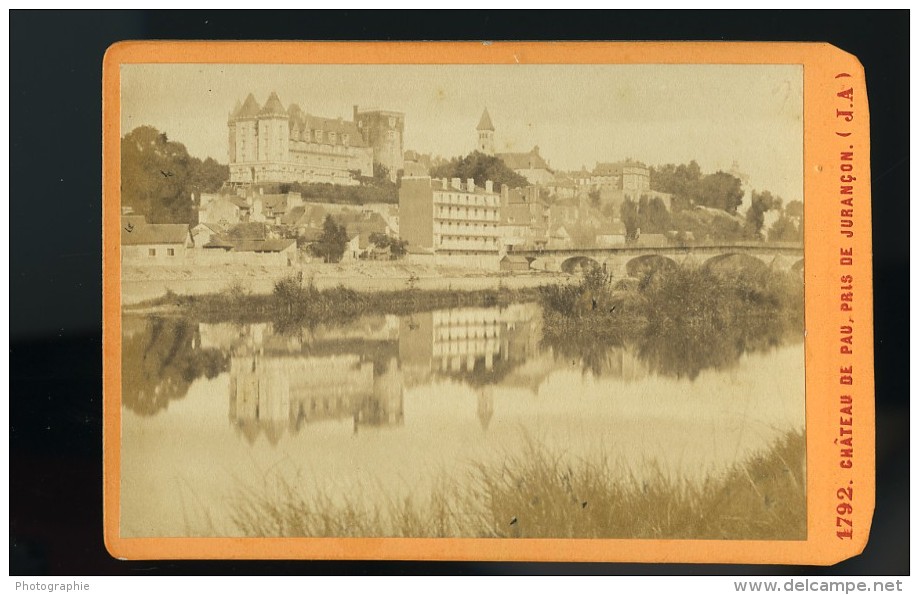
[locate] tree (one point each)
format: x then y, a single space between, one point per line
682 181
160 360
656 218
760 203
628 213
158 176
382 240
795 208
721 190
785 230
480 167
594 196
206 176
332 242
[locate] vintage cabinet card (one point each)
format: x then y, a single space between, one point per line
487 301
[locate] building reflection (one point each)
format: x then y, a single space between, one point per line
479 346
281 383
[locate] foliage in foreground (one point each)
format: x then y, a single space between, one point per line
540 494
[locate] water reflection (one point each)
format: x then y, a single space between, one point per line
281 382
161 357
381 408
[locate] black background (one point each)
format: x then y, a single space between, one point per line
55 264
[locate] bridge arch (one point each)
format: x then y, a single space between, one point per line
733 262
578 263
641 266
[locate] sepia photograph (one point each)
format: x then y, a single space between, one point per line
462 301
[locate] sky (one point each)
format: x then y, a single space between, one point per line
578 115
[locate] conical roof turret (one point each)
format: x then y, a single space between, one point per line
485 122
235 111
273 107
249 109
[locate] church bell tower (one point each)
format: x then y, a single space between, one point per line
486 135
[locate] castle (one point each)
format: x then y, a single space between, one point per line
271 144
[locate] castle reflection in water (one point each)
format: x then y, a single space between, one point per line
359 372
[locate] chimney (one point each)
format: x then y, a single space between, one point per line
489 186
457 183
355 113
470 185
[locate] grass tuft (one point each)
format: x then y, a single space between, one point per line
542 494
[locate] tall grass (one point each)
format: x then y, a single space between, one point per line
541 494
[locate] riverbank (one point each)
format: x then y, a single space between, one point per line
142 284
540 494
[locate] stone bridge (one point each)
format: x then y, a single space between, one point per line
630 260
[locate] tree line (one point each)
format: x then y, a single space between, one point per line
720 192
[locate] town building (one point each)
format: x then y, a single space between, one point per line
449 217
226 210
222 210
383 131
153 243
610 234
512 262
272 144
524 219
621 181
530 165
623 175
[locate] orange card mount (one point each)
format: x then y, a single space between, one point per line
487 301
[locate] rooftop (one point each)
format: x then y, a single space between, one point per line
155 233
485 122
615 168
531 160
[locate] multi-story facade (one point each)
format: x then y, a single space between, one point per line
627 176
272 144
382 131
449 217
524 219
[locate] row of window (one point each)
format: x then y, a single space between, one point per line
169 252
466 332
457 213
467 229
316 135
467 242
450 198
479 348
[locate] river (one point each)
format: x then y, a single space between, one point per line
385 408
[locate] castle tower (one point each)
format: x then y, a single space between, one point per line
273 131
383 130
486 134
243 129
